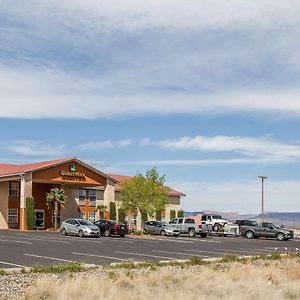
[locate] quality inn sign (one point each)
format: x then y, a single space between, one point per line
72 173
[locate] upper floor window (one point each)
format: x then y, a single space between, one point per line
82 194
13 189
92 194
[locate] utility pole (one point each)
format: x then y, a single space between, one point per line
262 195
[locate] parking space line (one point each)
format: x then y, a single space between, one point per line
145 255
38 239
15 241
205 251
11 264
48 257
179 253
100 256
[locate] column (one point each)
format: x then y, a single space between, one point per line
22 204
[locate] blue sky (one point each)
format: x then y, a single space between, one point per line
206 91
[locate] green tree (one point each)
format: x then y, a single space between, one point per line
172 214
56 197
30 215
102 209
147 194
113 211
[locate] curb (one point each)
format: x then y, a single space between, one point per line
10 271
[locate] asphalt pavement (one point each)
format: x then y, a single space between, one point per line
20 249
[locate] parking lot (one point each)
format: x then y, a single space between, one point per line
20 249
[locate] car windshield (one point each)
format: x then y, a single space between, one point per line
217 217
164 224
85 223
276 226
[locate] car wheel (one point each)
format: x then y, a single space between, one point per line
280 236
122 235
216 227
80 233
192 233
64 232
203 235
162 233
249 234
107 233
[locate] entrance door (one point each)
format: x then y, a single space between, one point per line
39 219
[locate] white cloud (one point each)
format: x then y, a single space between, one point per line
207 162
239 196
35 149
54 94
103 145
263 147
183 63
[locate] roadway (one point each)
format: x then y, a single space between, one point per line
20 249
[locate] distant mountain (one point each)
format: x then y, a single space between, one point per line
283 218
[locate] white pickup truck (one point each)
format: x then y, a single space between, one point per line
189 226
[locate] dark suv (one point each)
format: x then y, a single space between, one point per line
110 227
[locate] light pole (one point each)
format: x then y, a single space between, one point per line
262 195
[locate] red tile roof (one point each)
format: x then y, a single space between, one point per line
9 169
120 178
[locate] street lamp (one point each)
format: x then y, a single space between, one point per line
262 195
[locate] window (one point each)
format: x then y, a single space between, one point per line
13 189
58 217
174 221
92 194
190 221
91 217
12 215
180 221
82 194
82 215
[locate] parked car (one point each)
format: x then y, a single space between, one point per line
111 227
268 230
189 226
79 227
216 221
160 227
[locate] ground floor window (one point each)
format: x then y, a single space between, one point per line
82 215
39 218
12 215
58 217
91 216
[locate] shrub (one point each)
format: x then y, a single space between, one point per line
113 211
196 260
30 215
60 268
121 215
172 214
180 214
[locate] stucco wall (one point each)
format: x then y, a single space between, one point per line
70 209
109 192
3 204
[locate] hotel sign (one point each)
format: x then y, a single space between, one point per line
72 173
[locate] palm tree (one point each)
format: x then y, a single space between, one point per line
102 209
56 196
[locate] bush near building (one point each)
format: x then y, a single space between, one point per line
172 214
121 215
113 211
180 214
30 216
